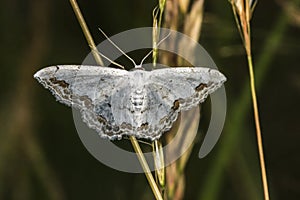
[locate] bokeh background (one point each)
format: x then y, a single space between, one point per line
41 155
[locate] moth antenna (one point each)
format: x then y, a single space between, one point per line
149 53
113 62
118 48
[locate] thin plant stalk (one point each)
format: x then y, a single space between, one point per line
162 4
244 12
86 32
156 28
146 169
239 110
258 130
133 140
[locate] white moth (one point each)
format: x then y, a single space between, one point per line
116 102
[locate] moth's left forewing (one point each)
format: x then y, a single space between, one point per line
189 85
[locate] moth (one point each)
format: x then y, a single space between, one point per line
141 103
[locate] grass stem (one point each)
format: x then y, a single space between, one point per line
237 114
145 167
244 13
254 101
86 32
258 129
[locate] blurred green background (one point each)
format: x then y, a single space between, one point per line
41 155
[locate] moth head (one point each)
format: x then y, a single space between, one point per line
137 67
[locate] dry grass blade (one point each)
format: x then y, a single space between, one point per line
192 27
177 15
184 5
193 20
186 131
171 15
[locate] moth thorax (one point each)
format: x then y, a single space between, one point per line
138 98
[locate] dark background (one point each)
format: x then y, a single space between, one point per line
41 155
